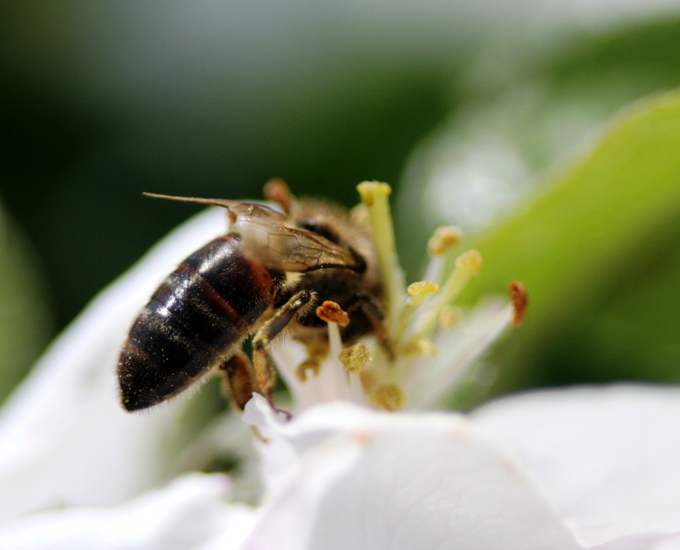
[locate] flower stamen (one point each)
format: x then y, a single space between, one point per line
420 347
467 266
331 312
355 358
449 316
420 290
374 196
415 356
444 239
417 292
389 397
518 297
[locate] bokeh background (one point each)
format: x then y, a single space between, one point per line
464 107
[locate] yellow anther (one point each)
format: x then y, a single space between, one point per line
467 265
420 347
355 358
471 261
444 239
389 397
370 190
449 316
422 288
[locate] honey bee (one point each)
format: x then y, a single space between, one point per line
264 276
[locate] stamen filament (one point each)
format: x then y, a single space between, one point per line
333 374
374 196
442 242
467 266
418 292
429 380
356 389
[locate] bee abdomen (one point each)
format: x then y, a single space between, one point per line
193 321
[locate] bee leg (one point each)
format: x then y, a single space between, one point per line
265 371
238 382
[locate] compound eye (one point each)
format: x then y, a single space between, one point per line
319 228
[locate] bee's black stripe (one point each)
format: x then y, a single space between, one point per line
245 285
202 309
187 301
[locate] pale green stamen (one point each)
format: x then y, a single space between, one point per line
374 196
444 239
467 266
417 293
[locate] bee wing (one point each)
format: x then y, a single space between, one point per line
290 249
266 239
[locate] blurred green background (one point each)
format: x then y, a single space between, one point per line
470 110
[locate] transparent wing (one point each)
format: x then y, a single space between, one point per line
265 238
290 249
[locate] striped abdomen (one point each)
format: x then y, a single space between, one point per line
193 322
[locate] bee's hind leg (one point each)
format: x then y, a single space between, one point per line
265 371
239 381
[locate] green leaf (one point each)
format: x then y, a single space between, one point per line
24 320
597 253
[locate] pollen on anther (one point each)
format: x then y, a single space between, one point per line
368 190
471 261
389 397
355 358
422 288
420 347
449 316
331 312
518 297
443 240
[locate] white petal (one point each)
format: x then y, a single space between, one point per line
190 513
607 458
399 481
286 442
651 541
64 438
457 350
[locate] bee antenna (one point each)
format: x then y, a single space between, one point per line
209 202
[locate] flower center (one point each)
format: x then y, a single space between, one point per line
430 345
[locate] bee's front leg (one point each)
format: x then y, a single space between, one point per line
265 371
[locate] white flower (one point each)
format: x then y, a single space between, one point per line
578 468
191 510
582 468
